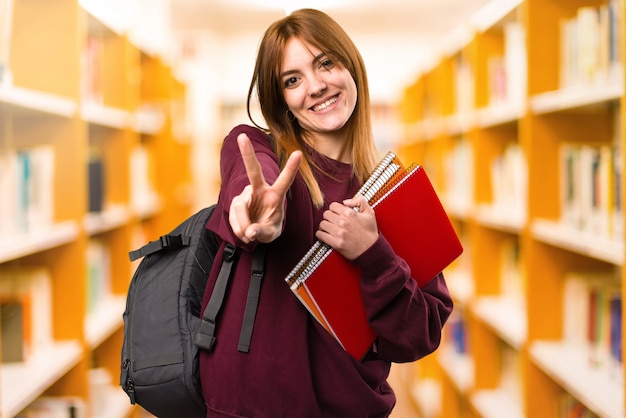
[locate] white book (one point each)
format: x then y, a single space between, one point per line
515 62
8 193
142 191
98 275
575 309
41 200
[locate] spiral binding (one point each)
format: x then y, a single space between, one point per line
375 184
387 159
392 186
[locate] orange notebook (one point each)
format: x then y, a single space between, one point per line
411 217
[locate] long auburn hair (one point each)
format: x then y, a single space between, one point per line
321 31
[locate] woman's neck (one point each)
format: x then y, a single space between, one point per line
332 145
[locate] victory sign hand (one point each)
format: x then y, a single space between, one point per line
258 212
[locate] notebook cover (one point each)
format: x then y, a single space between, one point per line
412 219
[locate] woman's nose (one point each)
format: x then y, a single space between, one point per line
317 86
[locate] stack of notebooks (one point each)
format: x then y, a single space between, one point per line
412 219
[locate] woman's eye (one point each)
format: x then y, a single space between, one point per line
291 81
327 63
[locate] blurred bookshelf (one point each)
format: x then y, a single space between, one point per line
519 126
89 137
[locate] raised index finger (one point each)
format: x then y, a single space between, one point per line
253 168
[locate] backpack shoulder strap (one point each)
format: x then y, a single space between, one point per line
254 291
205 335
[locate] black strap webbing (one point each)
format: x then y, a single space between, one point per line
165 241
205 335
254 291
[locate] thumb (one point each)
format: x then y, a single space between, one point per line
358 203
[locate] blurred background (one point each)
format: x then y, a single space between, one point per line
112 114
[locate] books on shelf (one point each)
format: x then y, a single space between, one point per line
512 274
25 293
411 218
98 274
590 183
458 177
144 197
570 407
93 65
509 183
26 190
15 326
516 63
455 332
511 377
463 85
592 317
507 74
591 45
96 183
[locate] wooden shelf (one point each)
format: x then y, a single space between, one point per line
111 218
458 367
576 98
500 114
500 219
105 116
491 403
505 315
23 100
562 236
148 121
21 383
568 365
34 242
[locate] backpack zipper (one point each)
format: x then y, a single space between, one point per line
130 385
127 364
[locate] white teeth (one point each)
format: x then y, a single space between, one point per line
324 105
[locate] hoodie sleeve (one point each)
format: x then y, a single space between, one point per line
408 320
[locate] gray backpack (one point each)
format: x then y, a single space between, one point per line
163 325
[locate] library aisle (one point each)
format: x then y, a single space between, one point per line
519 124
517 120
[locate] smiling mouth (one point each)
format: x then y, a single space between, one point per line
324 105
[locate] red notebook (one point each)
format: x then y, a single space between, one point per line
412 219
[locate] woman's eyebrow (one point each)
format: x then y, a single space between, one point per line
288 72
316 58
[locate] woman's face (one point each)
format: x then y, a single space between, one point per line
319 92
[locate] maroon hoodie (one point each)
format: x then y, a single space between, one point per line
295 368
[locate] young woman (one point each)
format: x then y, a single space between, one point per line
285 187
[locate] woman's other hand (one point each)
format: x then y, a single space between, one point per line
349 227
